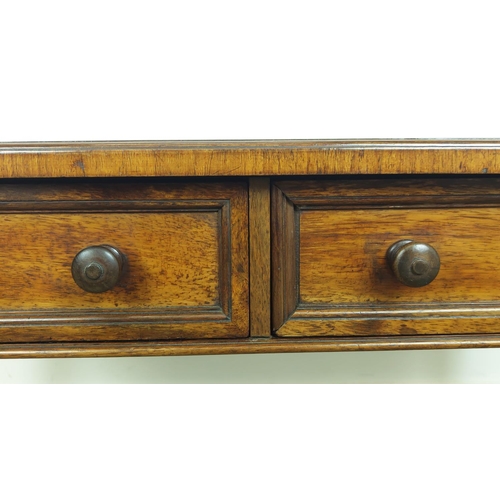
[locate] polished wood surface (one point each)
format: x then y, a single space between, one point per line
248 247
331 256
245 346
223 158
260 257
284 237
186 252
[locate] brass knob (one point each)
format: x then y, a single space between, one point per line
97 268
414 264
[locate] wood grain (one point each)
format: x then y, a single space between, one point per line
189 276
252 158
172 257
260 257
343 255
246 346
285 239
186 249
346 286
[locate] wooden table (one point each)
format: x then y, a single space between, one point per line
169 248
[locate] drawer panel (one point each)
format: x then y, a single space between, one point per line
332 275
185 260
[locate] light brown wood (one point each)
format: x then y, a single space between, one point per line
246 346
260 257
338 253
224 234
252 158
186 250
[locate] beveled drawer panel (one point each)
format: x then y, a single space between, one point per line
185 260
331 269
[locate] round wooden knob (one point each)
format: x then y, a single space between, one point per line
97 269
414 264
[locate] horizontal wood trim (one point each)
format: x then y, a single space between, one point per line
109 317
423 192
222 158
247 346
428 325
190 327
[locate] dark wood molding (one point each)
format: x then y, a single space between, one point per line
284 238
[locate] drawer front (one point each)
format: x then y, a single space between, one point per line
333 275
181 266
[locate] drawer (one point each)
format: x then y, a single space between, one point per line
156 260
333 273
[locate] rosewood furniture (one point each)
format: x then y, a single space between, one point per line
158 248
